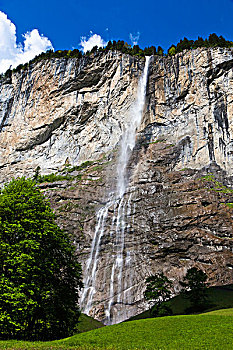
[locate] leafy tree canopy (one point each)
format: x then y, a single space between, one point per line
39 274
195 286
172 50
158 288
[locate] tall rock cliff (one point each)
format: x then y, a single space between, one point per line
68 116
61 109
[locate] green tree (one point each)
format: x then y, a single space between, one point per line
149 51
135 50
213 40
160 51
37 173
194 287
40 277
172 50
109 45
94 49
184 44
120 44
222 42
199 43
158 290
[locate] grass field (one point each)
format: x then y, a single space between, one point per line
87 323
212 330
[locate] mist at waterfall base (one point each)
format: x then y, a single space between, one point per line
119 291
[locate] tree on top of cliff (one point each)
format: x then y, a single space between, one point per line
160 51
172 50
151 50
39 273
184 44
200 42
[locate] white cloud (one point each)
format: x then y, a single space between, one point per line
13 53
94 40
134 38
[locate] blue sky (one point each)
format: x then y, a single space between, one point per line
158 22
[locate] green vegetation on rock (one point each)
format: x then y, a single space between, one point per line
229 205
49 177
80 167
209 177
213 41
216 185
53 178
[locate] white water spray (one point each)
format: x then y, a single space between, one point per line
122 209
129 136
92 262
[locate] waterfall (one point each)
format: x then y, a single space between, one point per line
92 262
118 291
129 136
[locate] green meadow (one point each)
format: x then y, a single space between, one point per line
211 330
219 297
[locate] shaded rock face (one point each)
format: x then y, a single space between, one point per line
177 210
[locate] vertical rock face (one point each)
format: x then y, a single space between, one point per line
61 109
190 100
177 210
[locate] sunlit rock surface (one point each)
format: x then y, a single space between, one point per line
61 113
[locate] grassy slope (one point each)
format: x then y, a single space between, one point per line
206 331
87 323
220 298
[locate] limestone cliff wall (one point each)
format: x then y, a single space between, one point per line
77 108
61 109
176 209
190 99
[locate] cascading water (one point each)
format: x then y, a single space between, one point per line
91 266
118 291
129 136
